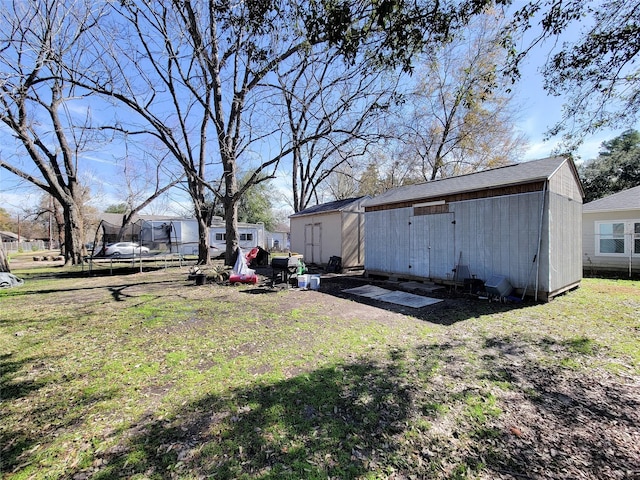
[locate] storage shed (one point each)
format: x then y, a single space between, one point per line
334 229
520 223
611 234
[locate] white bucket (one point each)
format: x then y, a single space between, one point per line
303 281
314 282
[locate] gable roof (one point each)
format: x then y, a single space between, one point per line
336 206
625 200
519 173
7 234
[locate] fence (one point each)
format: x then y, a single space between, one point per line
13 247
617 254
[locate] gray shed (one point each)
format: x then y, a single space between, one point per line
611 237
334 229
522 223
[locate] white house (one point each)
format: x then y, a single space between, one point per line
611 234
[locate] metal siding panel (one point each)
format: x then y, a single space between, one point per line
441 233
419 245
498 236
373 240
399 241
565 242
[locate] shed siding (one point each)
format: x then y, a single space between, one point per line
565 242
296 228
320 237
352 239
498 236
387 241
563 183
492 236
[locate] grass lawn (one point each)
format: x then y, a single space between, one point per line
146 376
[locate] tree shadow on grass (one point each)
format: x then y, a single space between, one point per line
498 408
332 422
564 423
12 388
116 291
45 417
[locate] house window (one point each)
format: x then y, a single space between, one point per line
246 237
220 237
618 238
611 238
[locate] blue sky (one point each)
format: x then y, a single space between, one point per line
538 112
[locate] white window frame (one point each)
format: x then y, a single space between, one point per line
629 237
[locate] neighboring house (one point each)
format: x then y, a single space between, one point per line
334 229
176 234
182 234
521 222
9 236
278 240
611 234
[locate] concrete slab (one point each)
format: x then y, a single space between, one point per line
390 296
407 299
368 291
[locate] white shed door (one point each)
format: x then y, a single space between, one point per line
313 243
431 245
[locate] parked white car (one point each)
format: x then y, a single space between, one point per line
125 248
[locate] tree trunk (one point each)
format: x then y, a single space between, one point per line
231 228
73 234
204 258
4 260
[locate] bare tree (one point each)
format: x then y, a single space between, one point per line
147 176
198 76
34 98
191 72
331 113
459 117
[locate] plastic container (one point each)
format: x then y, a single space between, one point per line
303 281
314 282
498 285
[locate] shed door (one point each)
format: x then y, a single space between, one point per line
431 245
312 242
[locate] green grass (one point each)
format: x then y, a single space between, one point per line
146 376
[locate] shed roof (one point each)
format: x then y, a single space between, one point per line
336 206
625 200
519 173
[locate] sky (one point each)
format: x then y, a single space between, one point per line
538 112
